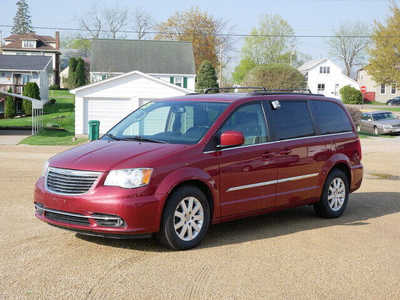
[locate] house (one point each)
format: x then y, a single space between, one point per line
112 99
380 92
325 77
17 70
34 44
171 61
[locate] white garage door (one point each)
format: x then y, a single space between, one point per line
108 111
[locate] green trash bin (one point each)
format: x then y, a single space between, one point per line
94 129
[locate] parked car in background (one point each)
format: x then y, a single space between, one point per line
379 122
393 101
175 166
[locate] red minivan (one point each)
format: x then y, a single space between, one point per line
174 166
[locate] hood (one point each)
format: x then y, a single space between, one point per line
106 155
389 122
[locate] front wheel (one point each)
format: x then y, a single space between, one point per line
376 131
186 219
335 195
358 128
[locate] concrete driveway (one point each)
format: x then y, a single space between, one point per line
286 255
13 137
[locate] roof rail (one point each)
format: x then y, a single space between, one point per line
256 88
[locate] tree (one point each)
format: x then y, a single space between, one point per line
22 19
349 45
384 63
9 109
206 77
31 89
242 69
104 22
78 43
202 30
275 76
350 95
142 23
271 42
80 73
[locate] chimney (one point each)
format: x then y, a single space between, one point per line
57 40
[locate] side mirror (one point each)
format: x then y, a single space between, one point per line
231 138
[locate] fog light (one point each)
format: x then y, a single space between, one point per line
39 208
108 220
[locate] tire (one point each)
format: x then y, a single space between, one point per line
376 131
390 103
180 230
333 205
358 128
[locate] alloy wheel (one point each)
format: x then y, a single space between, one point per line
336 194
188 218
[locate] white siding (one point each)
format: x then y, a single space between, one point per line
126 91
333 81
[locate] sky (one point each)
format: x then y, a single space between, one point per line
307 17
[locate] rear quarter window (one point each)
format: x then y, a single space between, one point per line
330 117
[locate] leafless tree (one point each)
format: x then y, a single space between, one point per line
350 44
104 22
142 22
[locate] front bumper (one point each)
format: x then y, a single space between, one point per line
390 130
104 211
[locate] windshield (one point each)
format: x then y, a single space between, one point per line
173 122
383 116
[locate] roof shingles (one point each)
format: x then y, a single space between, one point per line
147 56
24 62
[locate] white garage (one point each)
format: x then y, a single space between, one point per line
110 100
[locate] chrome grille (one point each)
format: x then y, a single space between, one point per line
70 182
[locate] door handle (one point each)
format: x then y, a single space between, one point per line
267 155
285 152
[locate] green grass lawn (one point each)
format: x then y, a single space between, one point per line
60 115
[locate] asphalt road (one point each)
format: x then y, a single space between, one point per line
285 255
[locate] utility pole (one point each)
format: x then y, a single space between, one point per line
220 67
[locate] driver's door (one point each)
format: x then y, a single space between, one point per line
247 177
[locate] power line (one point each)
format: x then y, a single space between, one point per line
366 36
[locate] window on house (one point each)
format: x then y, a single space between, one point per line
393 88
321 87
383 89
179 81
28 44
26 78
324 70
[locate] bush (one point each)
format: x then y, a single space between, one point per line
54 87
350 95
206 77
275 76
9 106
31 89
355 114
52 101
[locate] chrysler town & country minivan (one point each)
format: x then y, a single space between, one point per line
175 166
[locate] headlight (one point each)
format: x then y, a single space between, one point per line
45 167
129 178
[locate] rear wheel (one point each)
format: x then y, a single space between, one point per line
335 195
186 219
376 131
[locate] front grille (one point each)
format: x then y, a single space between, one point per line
63 217
70 182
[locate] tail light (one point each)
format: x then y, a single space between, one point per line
359 149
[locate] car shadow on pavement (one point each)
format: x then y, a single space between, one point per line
361 208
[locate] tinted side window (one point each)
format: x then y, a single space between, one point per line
291 120
249 120
330 117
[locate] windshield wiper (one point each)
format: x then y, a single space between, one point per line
112 136
142 139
